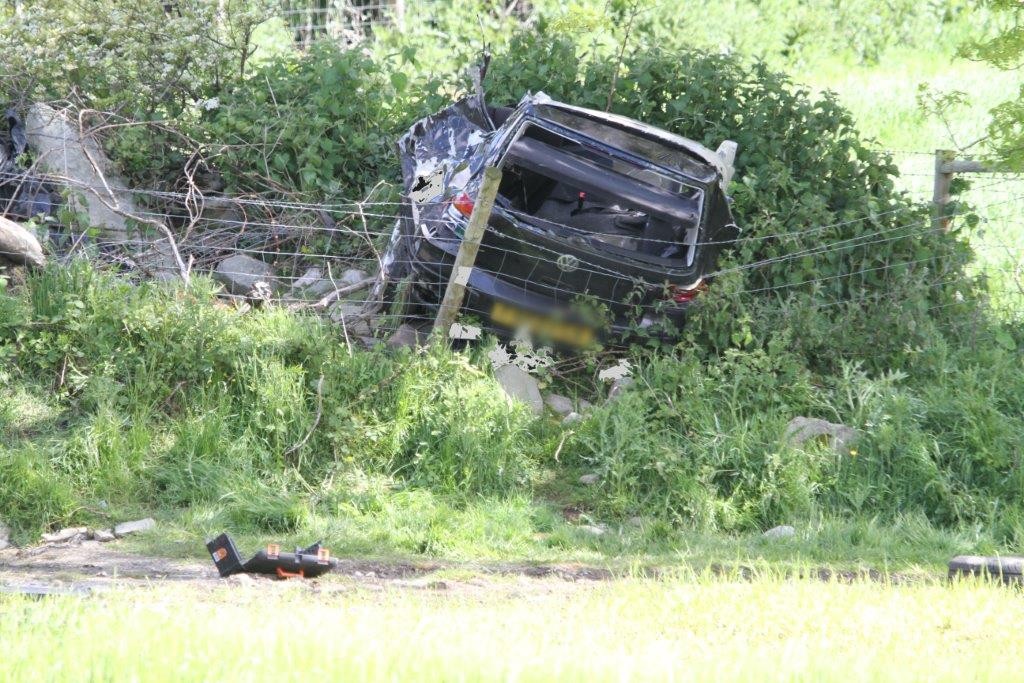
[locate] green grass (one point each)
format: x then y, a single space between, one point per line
883 97
691 628
126 401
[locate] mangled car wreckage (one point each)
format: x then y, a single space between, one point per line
601 223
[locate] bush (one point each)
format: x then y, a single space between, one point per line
323 123
821 219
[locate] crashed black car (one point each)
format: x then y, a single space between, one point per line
601 222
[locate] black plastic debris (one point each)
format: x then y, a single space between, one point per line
1009 570
307 563
22 194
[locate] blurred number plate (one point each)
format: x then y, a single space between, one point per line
542 326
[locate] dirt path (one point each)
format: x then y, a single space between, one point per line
91 566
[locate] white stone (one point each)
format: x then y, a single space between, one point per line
520 386
803 429
618 386
127 528
240 580
620 370
592 529
464 331
240 273
590 479
352 276
69 534
560 404
5 536
784 531
19 245
404 337
308 278
103 535
61 150
572 418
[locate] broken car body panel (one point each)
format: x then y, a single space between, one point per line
597 216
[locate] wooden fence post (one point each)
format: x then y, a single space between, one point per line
468 249
940 191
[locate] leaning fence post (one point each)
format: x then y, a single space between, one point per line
940 192
468 249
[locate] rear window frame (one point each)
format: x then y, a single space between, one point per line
530 118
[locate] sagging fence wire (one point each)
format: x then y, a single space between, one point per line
265 231
298 230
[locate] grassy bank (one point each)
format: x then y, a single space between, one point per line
693 629
123 400
841 302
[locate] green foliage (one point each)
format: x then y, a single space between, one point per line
323 123
147 61
703 442
181 402
841 300
1005 50
821 216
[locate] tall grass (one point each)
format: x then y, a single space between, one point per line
123 399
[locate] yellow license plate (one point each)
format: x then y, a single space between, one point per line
542 326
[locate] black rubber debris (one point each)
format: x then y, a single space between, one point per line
304 563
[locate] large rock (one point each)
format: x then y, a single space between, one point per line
784 531
803 429
1008 569
79 162
409 337
240 273
352 276
19 245
61 150
5 536
521 386
618 386
353 318
560 404
72 534
312 285
139 525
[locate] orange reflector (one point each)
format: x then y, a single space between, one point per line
463 204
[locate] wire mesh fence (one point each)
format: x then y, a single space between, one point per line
330 258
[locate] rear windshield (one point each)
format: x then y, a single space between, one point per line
607 132
567 183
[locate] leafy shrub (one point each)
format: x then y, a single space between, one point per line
822 220
323 122
702 443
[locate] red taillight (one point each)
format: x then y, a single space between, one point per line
463 204
685 296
